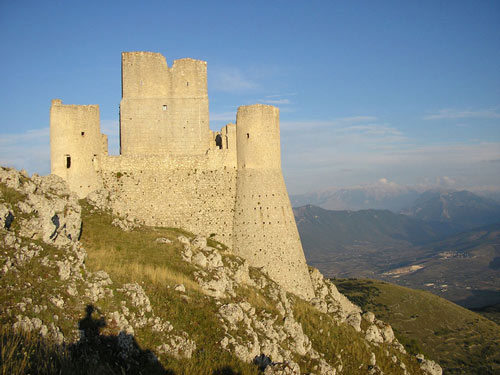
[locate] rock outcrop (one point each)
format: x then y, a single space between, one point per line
47 213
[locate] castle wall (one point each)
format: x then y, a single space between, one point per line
75 142
163 110
264 231
194 193
173 173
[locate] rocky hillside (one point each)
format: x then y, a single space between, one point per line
84 292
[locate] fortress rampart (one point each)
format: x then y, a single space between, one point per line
173 171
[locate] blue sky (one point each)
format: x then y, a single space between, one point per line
402 92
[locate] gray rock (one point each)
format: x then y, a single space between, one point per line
373 335
178 346
284 368
163 240
180 288
200 260
199 242
429 366
369 317
232 313
184 240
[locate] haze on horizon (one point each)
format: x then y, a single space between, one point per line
369 93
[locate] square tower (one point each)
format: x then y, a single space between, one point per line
163 111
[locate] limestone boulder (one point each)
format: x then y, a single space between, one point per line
199 242
51 212
429 366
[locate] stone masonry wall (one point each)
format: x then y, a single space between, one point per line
265 232
195 193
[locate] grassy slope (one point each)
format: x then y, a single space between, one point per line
462 341
135 257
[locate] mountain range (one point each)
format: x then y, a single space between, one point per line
446 242
381 195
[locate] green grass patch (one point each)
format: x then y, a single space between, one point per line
461 341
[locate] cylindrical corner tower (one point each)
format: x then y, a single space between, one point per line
264 231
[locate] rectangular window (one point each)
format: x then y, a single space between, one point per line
164 107
68 161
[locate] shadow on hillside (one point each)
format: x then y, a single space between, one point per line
93 354
110 354
480 298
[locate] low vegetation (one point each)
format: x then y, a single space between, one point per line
461 341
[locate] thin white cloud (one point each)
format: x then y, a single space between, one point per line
281 95
29 135
450 113
29 150
275 101
335 123
231 80
223 116
374 129
316 153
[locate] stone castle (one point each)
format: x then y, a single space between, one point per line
173 171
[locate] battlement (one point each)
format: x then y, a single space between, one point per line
147 75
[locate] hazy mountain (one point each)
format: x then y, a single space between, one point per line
461 209
383 195
350 227
388 196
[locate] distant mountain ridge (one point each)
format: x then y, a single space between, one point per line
379 196
463 210
350 227
382 195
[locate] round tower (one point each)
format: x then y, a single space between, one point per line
264 231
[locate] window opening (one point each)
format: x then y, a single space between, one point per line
187 84
164 107
248 135
83 133
68 161
218 141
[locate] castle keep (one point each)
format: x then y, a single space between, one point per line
173 171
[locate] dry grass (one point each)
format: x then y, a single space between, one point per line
26 353
112 261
